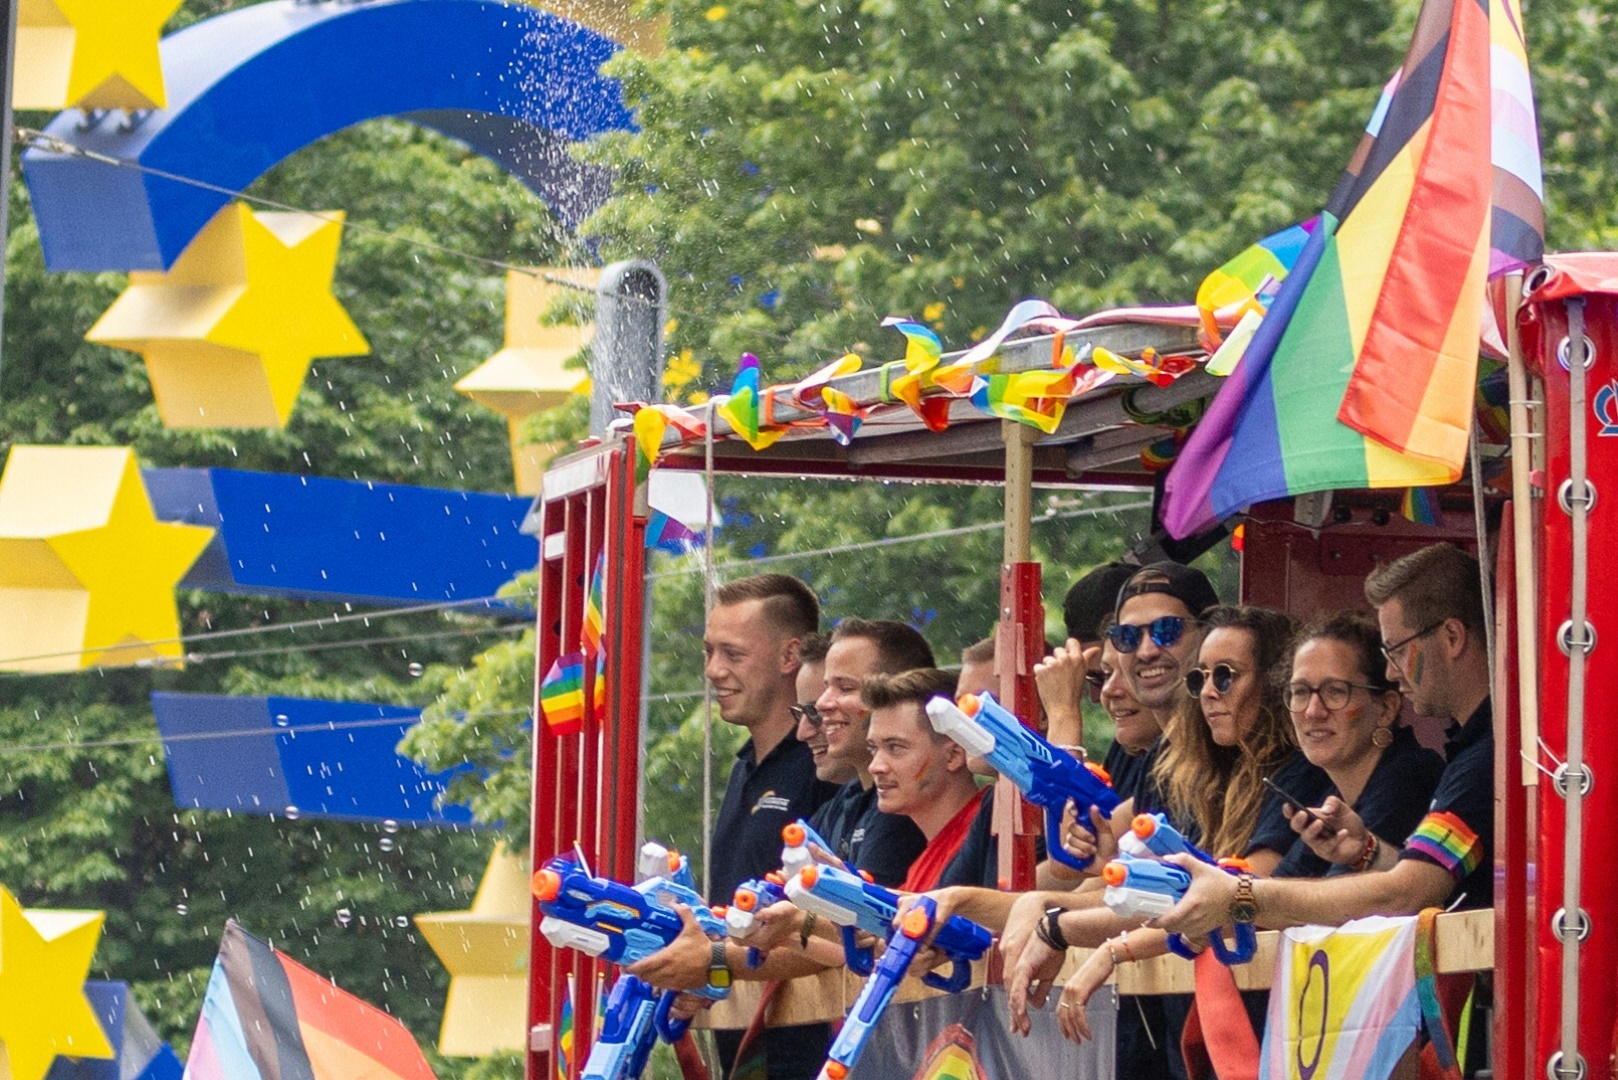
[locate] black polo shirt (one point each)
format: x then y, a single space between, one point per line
884 845
1395 798
1457 834
761 798
1128 771
1272 829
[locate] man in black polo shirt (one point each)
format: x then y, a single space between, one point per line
751 643
1430 611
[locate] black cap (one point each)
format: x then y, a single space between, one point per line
1091 600
1186 585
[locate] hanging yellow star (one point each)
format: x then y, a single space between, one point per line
486 952
87 572
529 374
44 958
90 54
229 331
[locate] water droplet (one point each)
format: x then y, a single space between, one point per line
390 826
183 909
402 921
344 916
282 719
415 670
292 813
386 843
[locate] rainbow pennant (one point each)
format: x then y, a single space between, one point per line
564 1036
745 406
594 608
561 695
1274 428
904 380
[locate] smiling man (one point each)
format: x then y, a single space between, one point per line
919 773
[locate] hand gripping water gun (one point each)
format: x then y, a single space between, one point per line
961 940
622 923
1046 776
1146 887
854 903
1150 836
752 897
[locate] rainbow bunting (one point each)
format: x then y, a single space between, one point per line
745 405
1455 163
652 422
561 695
267 1017
904 380
598 686
842 416
1248 282
666 534
1036 398
1274 428
1420 506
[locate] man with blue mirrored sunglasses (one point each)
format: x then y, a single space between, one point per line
1157 632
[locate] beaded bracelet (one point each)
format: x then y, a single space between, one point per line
1368 855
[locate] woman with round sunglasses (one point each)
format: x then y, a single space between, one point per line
1346 713
1209 776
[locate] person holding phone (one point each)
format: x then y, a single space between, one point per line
1345 710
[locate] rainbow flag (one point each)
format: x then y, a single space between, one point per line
267 1017
561 695
595 604
564 1036
1459 205
1275 428
1343 1003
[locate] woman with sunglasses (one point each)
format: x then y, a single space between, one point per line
1346 713
1209 776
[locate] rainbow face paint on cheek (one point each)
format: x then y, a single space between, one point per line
1418 661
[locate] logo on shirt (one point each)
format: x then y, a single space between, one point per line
858 837
771 801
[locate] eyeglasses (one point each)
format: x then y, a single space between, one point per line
806 714
1392 651
1093 682
1222 676
1334 693
1164 630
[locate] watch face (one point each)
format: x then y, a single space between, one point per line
1243 911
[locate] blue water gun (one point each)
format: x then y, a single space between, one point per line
1151 836
795 840
1147 888
963 941
856 903
622 923
750 898
628 1030
1047 777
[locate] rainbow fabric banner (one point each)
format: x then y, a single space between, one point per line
1385 263
744 408
1343 1003
1454 169
904 380
561 695
267 1017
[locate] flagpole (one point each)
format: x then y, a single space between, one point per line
1522 536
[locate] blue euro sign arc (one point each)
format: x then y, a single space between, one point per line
251 87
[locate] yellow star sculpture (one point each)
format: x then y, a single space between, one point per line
87 572
90 54
529 375
229 331
44 958
486 952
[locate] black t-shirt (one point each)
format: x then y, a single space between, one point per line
1128 771
1395 798
1298 777
1458 832
761 798
835 819
884 845
978 860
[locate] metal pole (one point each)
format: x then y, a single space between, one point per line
626 358
1522 539
7 75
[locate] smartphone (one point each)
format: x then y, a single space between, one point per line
1293 800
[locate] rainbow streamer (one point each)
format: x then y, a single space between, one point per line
1248 282
744 407
564 1034
835 407
561 695
1035 398
904 380
666 534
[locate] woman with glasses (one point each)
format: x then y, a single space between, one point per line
1345 710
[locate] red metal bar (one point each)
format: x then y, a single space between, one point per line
1021 645
543 996
576 575
625 619
1514 991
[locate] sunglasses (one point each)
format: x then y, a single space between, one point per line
1164 631
806 714
1222 676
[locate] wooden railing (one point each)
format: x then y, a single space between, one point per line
1465 943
